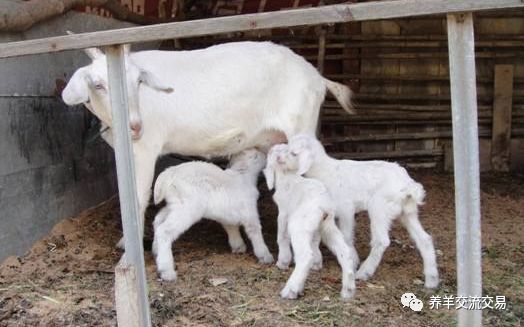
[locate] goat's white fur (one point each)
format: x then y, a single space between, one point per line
197 189
305 217
212 102
383 189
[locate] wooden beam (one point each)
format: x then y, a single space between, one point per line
393 137
387 154
125 168
285 18
466 162
502 106
407 44
299 39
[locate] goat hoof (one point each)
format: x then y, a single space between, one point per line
168 275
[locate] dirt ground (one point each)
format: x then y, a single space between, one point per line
66 279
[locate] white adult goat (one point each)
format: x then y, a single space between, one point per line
306 215
194 190
382 188
226 98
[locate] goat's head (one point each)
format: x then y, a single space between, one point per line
250 160
279 158
89 85
305 147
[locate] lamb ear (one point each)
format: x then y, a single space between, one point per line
269 174
239 165
305 160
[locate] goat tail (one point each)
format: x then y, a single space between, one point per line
342 93
413 196
163 182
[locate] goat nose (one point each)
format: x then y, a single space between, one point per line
136 129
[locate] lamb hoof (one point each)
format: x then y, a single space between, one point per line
431 282
121 244
347 294
317 266
239 249
288 294
154 249
362 275
356 263
282 265
266 259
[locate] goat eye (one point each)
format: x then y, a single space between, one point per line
99 86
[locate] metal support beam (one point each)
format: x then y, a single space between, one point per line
125 167
466 162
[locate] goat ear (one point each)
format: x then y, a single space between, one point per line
305 160
150 80
94 53
76 91
269 174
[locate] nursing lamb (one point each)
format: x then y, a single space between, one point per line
195 190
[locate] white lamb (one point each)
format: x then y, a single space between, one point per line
382 188
305 216
195 190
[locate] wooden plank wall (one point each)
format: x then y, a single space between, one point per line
398 70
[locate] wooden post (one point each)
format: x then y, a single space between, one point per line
320 68
502 105
466 162
321 49
126 293
125 167
447 146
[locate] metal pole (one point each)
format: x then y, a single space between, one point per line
466 162
125 167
